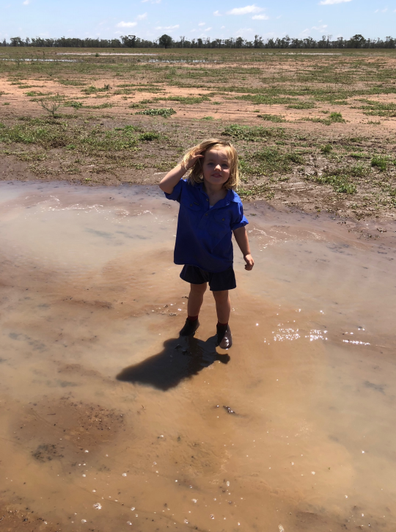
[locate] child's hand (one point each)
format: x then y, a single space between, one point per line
249 262
192 160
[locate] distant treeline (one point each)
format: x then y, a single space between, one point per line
165 41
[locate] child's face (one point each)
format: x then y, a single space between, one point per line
216 167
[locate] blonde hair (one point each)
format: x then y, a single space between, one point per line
196 175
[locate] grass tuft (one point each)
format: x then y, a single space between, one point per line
252 133
272 118
165 112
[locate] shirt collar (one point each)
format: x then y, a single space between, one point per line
231 195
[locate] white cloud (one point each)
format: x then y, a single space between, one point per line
202 24
245 32
207 29
26 2
331 2
123 24
245 10
223 27
141 17
168 27
151 1
260 17
320 28
217 13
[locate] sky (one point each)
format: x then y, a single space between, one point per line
149 19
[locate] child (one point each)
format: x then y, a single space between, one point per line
210 211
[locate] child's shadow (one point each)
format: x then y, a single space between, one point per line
180 359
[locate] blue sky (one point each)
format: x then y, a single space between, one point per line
149 19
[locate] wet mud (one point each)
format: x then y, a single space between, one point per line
110 421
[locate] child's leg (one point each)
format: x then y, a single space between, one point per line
195 300
223 305
223 309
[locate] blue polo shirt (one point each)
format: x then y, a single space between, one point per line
204 233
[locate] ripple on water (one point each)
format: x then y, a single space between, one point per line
88 292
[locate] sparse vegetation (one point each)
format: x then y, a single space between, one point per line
51 104
256 99
272 118
251 133
165 112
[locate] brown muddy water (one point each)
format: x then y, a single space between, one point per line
110 422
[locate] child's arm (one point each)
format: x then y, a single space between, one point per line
243 242
168 183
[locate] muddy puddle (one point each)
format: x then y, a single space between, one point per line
110 422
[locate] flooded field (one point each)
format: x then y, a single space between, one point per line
109 421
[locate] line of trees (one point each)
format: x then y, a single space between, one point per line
165 41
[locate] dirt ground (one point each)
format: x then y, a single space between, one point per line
315 132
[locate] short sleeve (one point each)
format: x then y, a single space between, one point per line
239 219
177 191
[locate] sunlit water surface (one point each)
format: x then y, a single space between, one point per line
110 422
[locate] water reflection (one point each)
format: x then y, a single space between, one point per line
88 292
180 359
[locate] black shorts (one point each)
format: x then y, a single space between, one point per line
217 281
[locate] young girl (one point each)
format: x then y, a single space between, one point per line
210 211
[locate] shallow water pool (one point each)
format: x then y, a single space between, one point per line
110 421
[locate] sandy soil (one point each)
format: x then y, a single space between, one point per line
297 189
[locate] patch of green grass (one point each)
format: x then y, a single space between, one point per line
326 148
123 91
148 89
72 82
207 118
148 136
272 118
358 170
270 160
301 105
187 100
93 90
374 108
48 134
74 104
336 117
137 106
340 183
359 155
106 105
165 112
252 133
37 93
266 99
256 190
146 101
380 162
333 118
